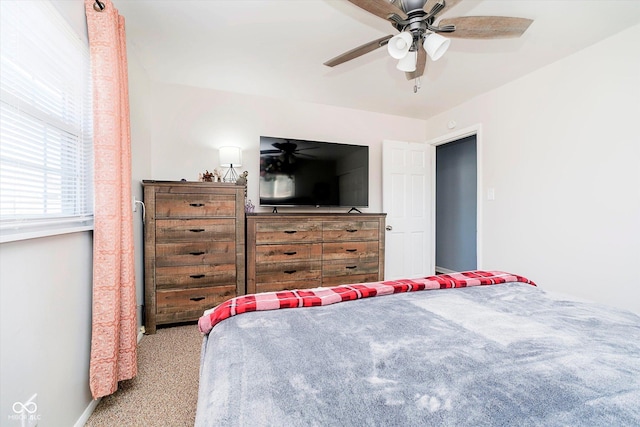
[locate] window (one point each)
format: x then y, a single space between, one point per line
45 122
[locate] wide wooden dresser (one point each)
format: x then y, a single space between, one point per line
297 251
194 249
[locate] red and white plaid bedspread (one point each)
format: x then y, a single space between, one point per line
326 296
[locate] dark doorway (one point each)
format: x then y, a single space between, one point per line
456 205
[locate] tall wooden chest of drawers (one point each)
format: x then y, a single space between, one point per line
294 251
194 249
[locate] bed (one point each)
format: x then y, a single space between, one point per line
482 348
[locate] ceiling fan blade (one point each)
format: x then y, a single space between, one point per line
448 4
421 64
486 27
381 8
358 51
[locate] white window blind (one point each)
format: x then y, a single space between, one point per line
46 162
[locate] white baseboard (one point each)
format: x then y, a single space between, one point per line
94 403
87 413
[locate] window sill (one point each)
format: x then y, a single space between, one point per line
12 235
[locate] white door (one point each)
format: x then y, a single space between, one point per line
406 199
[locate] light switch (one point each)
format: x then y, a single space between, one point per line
491 194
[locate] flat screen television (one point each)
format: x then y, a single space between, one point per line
296 172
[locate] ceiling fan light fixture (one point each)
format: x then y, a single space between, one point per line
408 63
436 45
400 44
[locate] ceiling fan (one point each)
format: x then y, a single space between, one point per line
287 151
419 35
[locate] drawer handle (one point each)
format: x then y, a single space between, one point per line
290 253
290 231
290 271
196 230
352 230
196 205
351 267
196 253
350 250
196 299
197 276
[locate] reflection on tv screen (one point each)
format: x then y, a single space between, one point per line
313 173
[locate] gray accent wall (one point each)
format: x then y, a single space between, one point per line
456 205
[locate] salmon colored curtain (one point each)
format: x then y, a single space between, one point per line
113 332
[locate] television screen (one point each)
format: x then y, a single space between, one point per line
296 172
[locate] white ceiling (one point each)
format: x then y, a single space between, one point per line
276 48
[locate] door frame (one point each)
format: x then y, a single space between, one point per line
445 139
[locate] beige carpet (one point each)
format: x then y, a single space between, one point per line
165 391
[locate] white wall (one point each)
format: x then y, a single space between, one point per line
140 113
45 319
189 124
561 148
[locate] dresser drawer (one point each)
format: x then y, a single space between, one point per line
350 230
286 253
349 280
195 230
288 271
189 304
193 205
349 267
350 251
288 232
288 286
194 253
194 276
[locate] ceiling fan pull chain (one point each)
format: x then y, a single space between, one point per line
416 85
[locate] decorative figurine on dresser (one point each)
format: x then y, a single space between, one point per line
194 247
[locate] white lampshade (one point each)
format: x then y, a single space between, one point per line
230 156
400 44
436 45
408 63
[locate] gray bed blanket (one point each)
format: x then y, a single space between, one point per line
502 355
